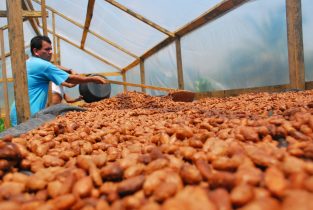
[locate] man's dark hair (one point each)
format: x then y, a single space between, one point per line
36 42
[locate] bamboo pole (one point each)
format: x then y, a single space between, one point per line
16 39
295 44
5 83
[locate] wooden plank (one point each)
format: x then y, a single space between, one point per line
140 85
92 32
55 54
295 44
142 75
25 13
107 74
180 73
86 51
5 83
7 80
124 80
212 14
8 54
16 40
59 50
235 92
91 4
31 20
141 18
44 19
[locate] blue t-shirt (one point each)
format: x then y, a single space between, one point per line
39 73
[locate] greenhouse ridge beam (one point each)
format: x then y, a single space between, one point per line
217 11
141 18
91 4
92 32
212 14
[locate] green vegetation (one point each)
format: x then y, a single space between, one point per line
202 85
1 125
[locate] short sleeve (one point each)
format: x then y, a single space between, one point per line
56 75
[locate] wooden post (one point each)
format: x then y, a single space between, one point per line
295 44
124 80
59 51
5 83
16 40
142 75
180 74
44 17
54 40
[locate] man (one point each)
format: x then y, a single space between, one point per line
40 72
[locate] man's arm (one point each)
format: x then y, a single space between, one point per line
71 100
78 79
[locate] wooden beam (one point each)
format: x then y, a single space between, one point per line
92 32
107 74
217 11
59 50
25 13
54 40
124 80
86 51
31 7
140 85
212 14
16 40
44 19
150 52
5 83
180 73
8 54
295 44
91 4
141 18
32 22
235 92
142 75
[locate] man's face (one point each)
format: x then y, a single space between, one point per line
45 52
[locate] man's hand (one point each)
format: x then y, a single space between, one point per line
99 80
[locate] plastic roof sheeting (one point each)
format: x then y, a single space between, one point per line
123 29
245 48
307 22
108 52
133 76
170 14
